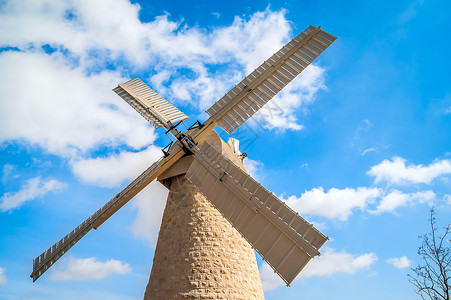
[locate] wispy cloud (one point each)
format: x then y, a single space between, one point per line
270 280
331 262
340 204
112 170
447 199
368 150
71 268
411 12
397 172
400 262
6 172
31 189
396 199
150 203
253 167
335 203
328 264
3 278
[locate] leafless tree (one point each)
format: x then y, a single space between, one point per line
432 277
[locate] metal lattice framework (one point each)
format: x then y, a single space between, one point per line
282 237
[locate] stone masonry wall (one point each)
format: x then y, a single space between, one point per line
199 255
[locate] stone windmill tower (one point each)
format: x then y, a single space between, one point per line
215 213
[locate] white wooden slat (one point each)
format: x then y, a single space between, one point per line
299 61
289 68
318 45
251 108
308 52
276 82
243 114
285 73
260 97
269 94
248 110
298 67
322 40
306 57
236 117
301 36
327 36
252 103
316 52
268 84
224 125
231 121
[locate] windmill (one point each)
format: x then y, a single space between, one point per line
281 236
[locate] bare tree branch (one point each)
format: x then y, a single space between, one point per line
433 277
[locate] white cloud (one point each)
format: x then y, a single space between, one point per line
3 278
49 103
112 170
253 167
6 172
335 203
331 262
243 46
30 190
447 199
150 203
368 150
411 12
395 199
280 113
328 264
79 26
71 268
64 105
400 263
396 171
270 280
252 40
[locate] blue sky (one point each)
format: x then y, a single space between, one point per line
359 144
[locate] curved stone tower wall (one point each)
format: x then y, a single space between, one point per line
199 255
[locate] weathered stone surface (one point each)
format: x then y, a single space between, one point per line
199 255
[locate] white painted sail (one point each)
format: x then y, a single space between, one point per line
254 91
148 103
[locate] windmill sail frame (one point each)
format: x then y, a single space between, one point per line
297 240
256 89
149 103
283 238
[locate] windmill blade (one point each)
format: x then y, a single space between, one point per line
44 261
149 104
254 91
283 238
